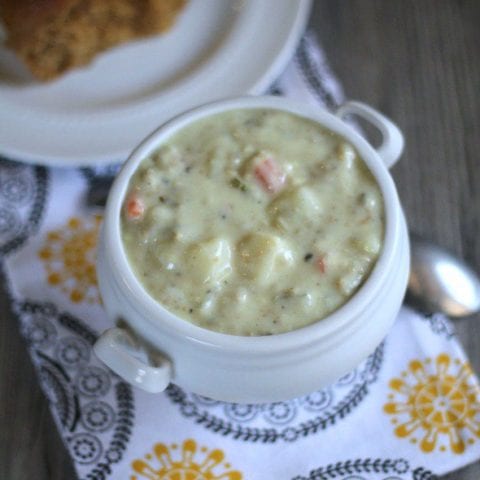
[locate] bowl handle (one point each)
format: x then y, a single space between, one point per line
392 139
120 351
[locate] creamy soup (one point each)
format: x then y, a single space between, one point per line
253 222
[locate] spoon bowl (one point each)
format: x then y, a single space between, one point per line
440 281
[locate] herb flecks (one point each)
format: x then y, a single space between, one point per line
238 184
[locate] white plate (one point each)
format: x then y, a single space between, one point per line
96 115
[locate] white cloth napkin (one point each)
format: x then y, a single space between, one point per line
412 410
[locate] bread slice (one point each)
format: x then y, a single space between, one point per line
54 36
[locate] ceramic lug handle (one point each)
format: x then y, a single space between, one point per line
119 350
392 139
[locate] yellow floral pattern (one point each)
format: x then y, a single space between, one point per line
185 462
436 405
69 258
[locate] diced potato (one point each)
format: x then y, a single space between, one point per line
160 215
298 299
235 301
209 261
349 282
308 301
176 296
369 243
294 207
298 175
191 228
151 179
241 296
207 306
372 244
157 224
167 255
352 277
169 159
370 200
346 174
346 155
215 165
222 148
260 254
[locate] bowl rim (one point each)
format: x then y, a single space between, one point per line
151 311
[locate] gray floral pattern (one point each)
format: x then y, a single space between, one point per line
282 421
94 408
369 469
23 194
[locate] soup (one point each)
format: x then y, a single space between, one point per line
253 222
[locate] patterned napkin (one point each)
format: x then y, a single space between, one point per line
410 411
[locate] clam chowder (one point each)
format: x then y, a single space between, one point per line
253 222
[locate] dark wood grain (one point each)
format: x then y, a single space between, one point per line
30 446
416 60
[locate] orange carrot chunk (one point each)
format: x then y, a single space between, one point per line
134 207
270 175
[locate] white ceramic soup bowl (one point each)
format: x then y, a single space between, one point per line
151 347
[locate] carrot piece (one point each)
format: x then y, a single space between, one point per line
269 174
134 207
321 264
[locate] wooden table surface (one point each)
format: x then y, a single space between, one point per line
416 60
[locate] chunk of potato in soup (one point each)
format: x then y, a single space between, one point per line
253 222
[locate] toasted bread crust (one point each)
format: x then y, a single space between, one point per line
54 36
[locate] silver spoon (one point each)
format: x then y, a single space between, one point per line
441 282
